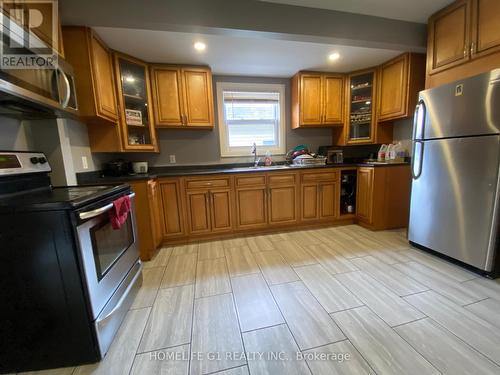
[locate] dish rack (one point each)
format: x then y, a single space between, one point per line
320 160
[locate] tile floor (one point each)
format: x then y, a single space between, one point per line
340 300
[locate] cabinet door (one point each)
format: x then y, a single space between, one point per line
198 97
364 196
282 204
198 210
333 99
154 206
251 208
485 27
449 37
310 202
328 200
167 98
103 79
311 109
393 88
172 207
220 208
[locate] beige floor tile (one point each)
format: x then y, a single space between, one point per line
242 370
191 248
212 278
482 285
173 361
215 331
274 267
388 256
170 321
210 250
384 350
181 270
329 292
452 271
56 371
119 359
392 278
295 254
151 279
259 243
234 242
478 333
240 261
254 303
386 304
161 258
332 261
303 238
343 359
488 309
273 340
309 323
449 354
440 282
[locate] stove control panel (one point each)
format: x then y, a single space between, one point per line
19 162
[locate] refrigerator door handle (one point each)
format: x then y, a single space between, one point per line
417 160
419 120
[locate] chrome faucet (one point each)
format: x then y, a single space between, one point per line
254 152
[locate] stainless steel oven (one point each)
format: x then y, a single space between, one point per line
111 266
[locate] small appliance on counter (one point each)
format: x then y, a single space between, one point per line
70 266
117 168
335 156
140 167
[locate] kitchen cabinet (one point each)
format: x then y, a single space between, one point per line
463 40
171 190
282 198
317 99
182 96
251 201
400 80
94 75
209 205
319 196
383 196
134 94
156 213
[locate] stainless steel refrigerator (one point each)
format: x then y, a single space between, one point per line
455 188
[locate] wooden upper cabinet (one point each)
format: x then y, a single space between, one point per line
400 81
182 96
485 27
449 37
94 74
317 99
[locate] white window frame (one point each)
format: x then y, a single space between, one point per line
227 151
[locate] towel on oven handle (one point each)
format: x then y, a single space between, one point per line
119 213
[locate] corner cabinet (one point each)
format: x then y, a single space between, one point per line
95 81
134 95
399 82
317 99
182 96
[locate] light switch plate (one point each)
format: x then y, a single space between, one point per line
85 163
172 159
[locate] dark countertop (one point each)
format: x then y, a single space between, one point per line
96 177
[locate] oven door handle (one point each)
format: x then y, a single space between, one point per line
98 211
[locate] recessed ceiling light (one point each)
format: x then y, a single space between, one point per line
200 46
333 56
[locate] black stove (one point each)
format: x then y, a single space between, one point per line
68 274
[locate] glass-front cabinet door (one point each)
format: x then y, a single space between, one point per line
136 117
360 105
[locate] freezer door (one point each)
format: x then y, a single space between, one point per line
467 107
454 190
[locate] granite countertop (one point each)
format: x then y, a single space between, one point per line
97 177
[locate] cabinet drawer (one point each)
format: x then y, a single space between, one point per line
320 176
250 180
207 183
280 179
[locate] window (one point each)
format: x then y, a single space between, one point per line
248 114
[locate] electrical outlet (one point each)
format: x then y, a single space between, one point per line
172 159
85 162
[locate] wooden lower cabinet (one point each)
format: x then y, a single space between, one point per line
198 212
320 196
220 208
282 205
209 211
251 207
328 200
172 207
383 196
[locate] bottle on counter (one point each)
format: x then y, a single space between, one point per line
268 160
382 152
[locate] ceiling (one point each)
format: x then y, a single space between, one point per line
406 10
233 55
